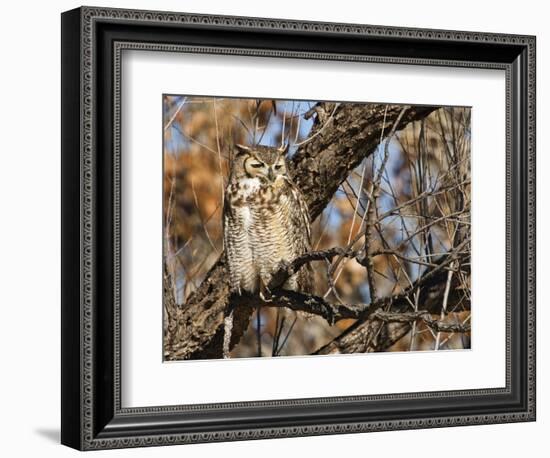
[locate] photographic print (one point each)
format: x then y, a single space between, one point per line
300 227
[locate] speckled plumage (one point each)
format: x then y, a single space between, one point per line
266 221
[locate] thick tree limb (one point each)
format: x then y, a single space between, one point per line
307 303
334 312
342 136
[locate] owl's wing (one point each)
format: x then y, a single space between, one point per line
301 225
238 250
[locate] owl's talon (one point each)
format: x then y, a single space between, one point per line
265 298
280 275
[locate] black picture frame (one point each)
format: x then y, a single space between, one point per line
92 416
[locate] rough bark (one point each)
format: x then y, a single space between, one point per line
341 137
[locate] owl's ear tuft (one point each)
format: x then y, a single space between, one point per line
242 149
284 149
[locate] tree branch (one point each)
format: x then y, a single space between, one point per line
335 312
423 315
301 302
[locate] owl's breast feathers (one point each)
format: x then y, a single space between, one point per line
264 224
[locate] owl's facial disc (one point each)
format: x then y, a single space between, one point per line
265 164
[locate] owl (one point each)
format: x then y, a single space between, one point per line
265 221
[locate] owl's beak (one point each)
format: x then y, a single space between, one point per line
270 174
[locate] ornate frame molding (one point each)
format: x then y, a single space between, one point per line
83 23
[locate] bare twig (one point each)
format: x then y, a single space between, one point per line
200 216
367 260
318 132
171 120
444 307
222 185
259 330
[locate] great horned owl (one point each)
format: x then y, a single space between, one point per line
266 221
